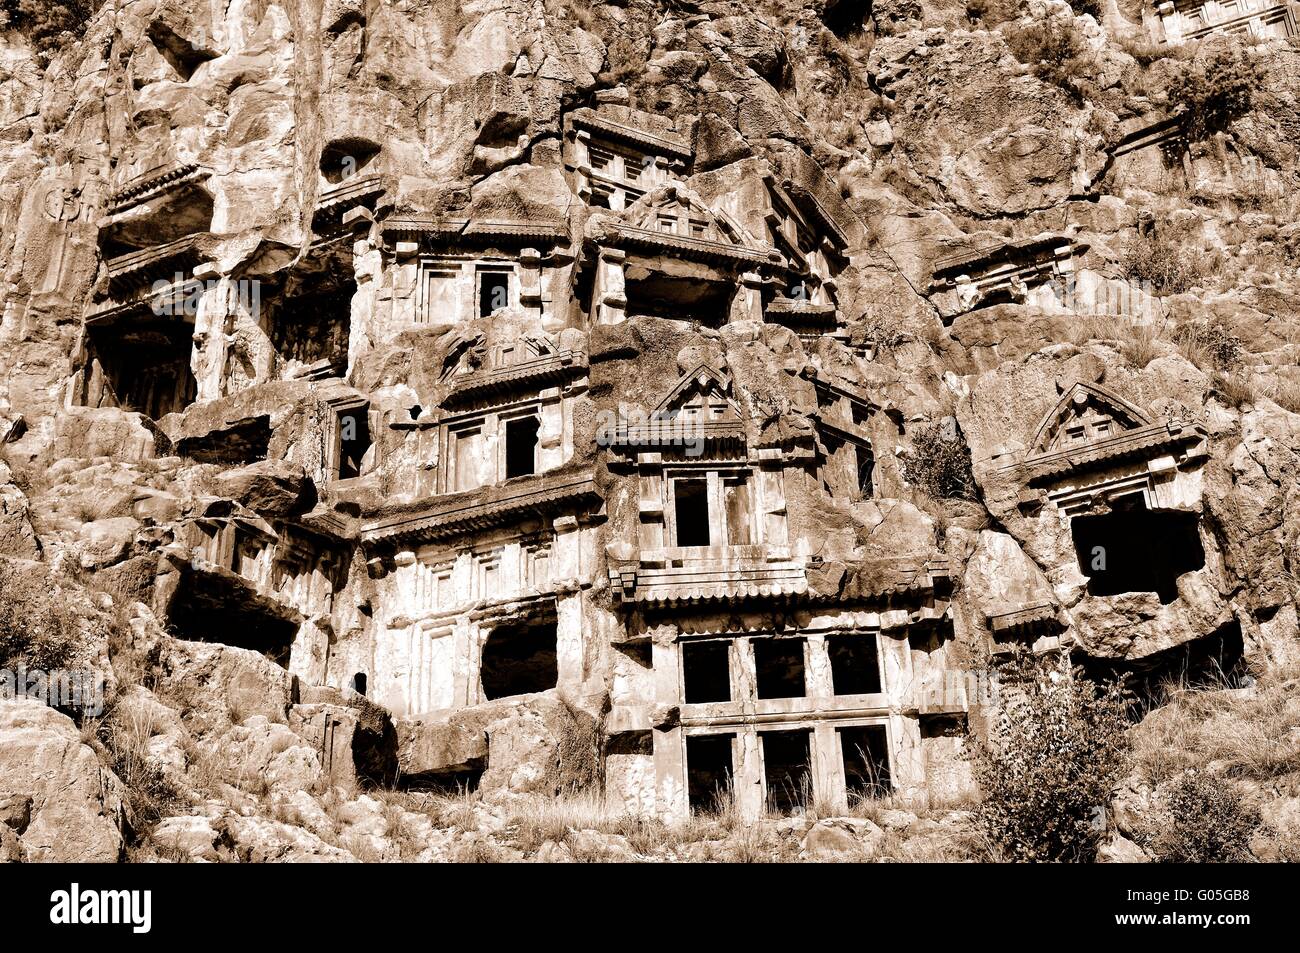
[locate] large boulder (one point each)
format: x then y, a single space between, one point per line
67 806
223 682
531 744
269 487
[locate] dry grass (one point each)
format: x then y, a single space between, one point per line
1138 342
1141 345
1282 391
1236 388
1246 733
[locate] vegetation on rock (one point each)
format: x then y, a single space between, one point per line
1055 751
49 24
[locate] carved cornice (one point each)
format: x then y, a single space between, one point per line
541 372
152 183
1139 442
332 203
437 230
703 250
497 506
660 143
139 268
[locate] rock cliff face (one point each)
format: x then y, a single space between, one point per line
625 397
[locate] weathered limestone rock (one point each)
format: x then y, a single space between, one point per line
269 487
558 377
192 836
75 809
17 538
533 745
224 683
1120 850
257 840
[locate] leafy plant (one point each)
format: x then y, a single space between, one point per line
1209 342
1055 751
36 628
1056 52
1213 91
939 463
49 24
1159 264
1202 819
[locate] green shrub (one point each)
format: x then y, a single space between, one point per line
939 463
1201 820
1055 751
49 24
1213 91
36 628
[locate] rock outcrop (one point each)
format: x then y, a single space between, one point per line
526 399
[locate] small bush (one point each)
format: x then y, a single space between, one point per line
50 25
1236 389
939 463
36 628
1056 749
1209 343
1214 91
1202 820
1140 344
1056 52
1285 393
1159 264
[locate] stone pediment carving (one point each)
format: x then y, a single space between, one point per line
673 220
1085 414
698 408
702 393
1094 445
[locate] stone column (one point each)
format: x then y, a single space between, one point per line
747 303
530 282
672 801
828 768
568 642
748 783
609 297
907 756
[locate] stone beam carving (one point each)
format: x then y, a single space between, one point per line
968 280
494 506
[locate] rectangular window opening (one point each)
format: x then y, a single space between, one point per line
354 440
709 773
691 510
521 446
787 777
866 465
707 671
855 668
493 292
865 750
778 664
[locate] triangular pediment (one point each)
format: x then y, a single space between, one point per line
702 395
1085 414
679 212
